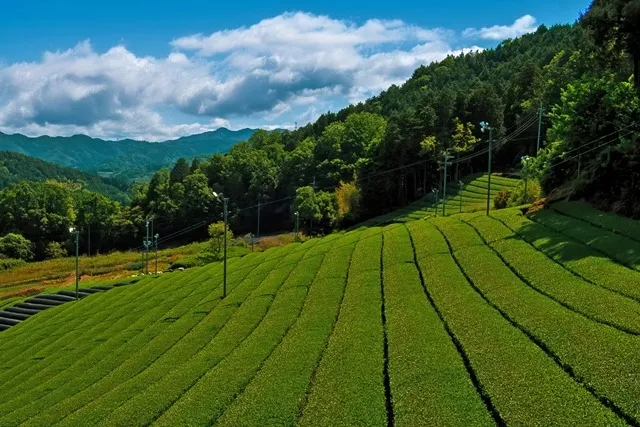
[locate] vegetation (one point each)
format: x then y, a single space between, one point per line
16 167
15 246
459 319
19 278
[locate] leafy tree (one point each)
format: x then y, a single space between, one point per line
180 170
160 200
216 237
41 212
348 201
306 205
15 246
617 22
55 250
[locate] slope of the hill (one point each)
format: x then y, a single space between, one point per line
15 167
467 320
471 198
124 159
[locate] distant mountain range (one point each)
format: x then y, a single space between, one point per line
125 159
15 167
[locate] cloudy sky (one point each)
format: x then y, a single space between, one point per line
124 70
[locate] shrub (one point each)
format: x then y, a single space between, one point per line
16 246
11 263
501 199
348 200
186 262
133 266
216 234
241 243
207 258
518 197
55 250
280 240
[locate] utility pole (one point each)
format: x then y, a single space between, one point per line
146 249
461 185
539 127
89 239
258 231
436 191
76 233
579 165
314 201
156 244
485 126
525 173
224 282
297 214
444 193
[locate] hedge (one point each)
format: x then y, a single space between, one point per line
236 352
553 280
619 248
348 388
165 346
597 357
429 382
276 394
585 212
576 257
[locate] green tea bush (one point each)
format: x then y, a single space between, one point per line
519 375
348 388
580 259
551 279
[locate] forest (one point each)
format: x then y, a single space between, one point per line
389 150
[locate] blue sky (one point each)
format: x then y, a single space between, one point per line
165 69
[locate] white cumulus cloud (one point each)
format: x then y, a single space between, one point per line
279 70
523 25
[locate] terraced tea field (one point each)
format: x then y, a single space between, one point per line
471 198
466 320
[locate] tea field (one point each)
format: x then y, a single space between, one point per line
467 320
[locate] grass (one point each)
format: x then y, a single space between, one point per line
464 320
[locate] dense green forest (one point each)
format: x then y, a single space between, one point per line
387 151
126 159
15 167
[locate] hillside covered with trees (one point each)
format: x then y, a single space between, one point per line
15 167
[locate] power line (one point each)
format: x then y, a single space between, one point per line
598 139
591 149
531 118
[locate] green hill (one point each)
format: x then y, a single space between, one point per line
15 167
464 320
124 159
